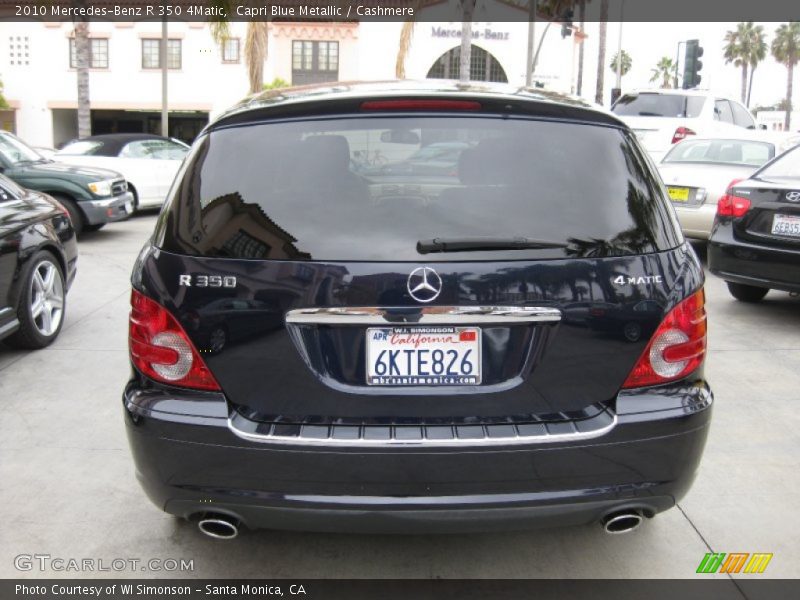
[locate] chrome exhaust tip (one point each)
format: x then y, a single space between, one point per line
621 522
220 527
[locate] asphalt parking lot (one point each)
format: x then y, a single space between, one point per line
67 485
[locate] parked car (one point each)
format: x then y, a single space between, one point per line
92 196
697 171
755 242
437 159
227 321
45 151
423 375
661 118
148 162
38 257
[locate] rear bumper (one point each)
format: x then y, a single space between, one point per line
747 263
108 210
190 462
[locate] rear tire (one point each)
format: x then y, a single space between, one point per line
42 303
746 293
132 190
217 339
75 214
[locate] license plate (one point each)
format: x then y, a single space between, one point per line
129 207
678 194
786 225
435 356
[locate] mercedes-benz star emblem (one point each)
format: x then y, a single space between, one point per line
424 284
793 196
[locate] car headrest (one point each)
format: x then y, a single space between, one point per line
730 154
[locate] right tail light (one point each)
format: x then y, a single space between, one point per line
681 133
677 347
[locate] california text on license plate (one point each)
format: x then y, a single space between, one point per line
408 356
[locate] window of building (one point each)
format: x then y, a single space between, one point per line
98 53
314 62
18 50
230 50
151 57
483 66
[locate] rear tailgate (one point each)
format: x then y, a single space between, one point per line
586 323
317 287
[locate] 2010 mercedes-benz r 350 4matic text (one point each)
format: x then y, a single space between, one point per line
320 344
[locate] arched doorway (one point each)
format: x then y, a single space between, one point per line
483 66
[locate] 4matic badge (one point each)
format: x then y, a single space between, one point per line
637 280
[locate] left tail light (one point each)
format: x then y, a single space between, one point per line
731 205
160 348
677 347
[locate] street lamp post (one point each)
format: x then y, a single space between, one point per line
163 59
531 37
619 46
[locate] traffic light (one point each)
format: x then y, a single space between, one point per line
692 64
566 23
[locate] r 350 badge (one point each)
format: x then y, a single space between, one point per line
210 281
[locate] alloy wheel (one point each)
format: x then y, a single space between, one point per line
47 298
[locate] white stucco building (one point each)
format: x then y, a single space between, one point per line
37 68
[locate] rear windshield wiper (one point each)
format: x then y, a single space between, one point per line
484 243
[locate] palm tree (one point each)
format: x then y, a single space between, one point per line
626 63
406 33
664 71
745 48
467 7
82 58
786 50
758 53
3 101
601 53
255 43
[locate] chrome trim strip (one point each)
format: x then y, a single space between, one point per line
5 310
546 438
10 326
423 315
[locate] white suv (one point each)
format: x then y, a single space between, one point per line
661 118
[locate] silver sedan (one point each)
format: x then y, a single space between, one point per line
697 172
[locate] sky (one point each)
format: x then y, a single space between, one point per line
648 42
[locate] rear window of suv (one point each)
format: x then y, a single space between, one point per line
659 105
363 188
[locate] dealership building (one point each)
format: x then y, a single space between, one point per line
37 67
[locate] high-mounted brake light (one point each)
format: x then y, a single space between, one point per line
677 348
399 105
731 205
681 133
160 348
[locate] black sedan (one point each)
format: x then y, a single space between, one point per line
38 257
755 241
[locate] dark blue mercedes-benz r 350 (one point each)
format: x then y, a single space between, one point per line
415 308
